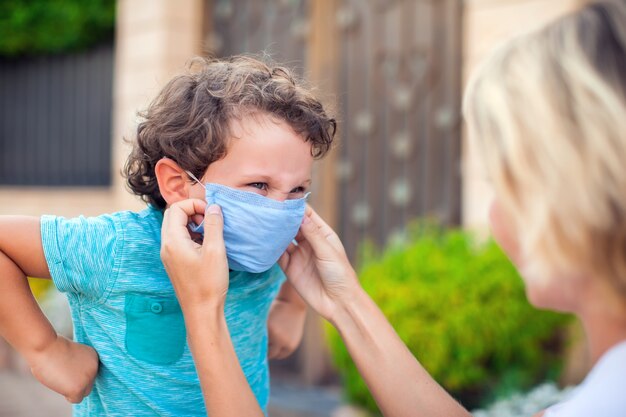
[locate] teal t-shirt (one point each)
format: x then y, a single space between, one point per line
123 305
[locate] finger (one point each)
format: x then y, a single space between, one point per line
175 236
213 228
305 248
325 229
176 218
299 237
182 211
197 218
291 249
316 237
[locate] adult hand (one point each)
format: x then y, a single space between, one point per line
199 272
66 367
320 271
318 267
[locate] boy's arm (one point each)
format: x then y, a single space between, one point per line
21 255
63 366
286 322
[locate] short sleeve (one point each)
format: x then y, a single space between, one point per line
82 253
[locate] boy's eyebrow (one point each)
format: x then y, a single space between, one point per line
267 179
255 177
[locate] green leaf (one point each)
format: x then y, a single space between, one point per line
38 27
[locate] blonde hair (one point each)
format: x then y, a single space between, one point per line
548 113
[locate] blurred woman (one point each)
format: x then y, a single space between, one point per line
548 113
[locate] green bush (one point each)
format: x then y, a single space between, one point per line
37 27
461 309
40 287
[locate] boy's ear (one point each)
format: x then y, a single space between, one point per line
173 182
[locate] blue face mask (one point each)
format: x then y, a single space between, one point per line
257 229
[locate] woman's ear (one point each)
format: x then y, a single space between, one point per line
174 184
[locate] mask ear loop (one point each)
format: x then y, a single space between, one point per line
193 177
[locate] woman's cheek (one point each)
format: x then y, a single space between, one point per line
502 230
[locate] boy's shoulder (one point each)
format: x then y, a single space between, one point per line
129 222
148 215
121 226
150 218
141 229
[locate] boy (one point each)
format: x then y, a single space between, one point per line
238 124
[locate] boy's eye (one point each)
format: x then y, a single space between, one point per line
259 185
297 190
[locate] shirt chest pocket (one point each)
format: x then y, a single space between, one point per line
155 328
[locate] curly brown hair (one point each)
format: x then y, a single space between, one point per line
189 121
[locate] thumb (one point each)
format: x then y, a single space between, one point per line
213 227
316 238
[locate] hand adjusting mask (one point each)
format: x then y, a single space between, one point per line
257 229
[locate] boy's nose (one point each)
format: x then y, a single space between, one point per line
278 195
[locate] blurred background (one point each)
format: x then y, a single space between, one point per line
403 188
